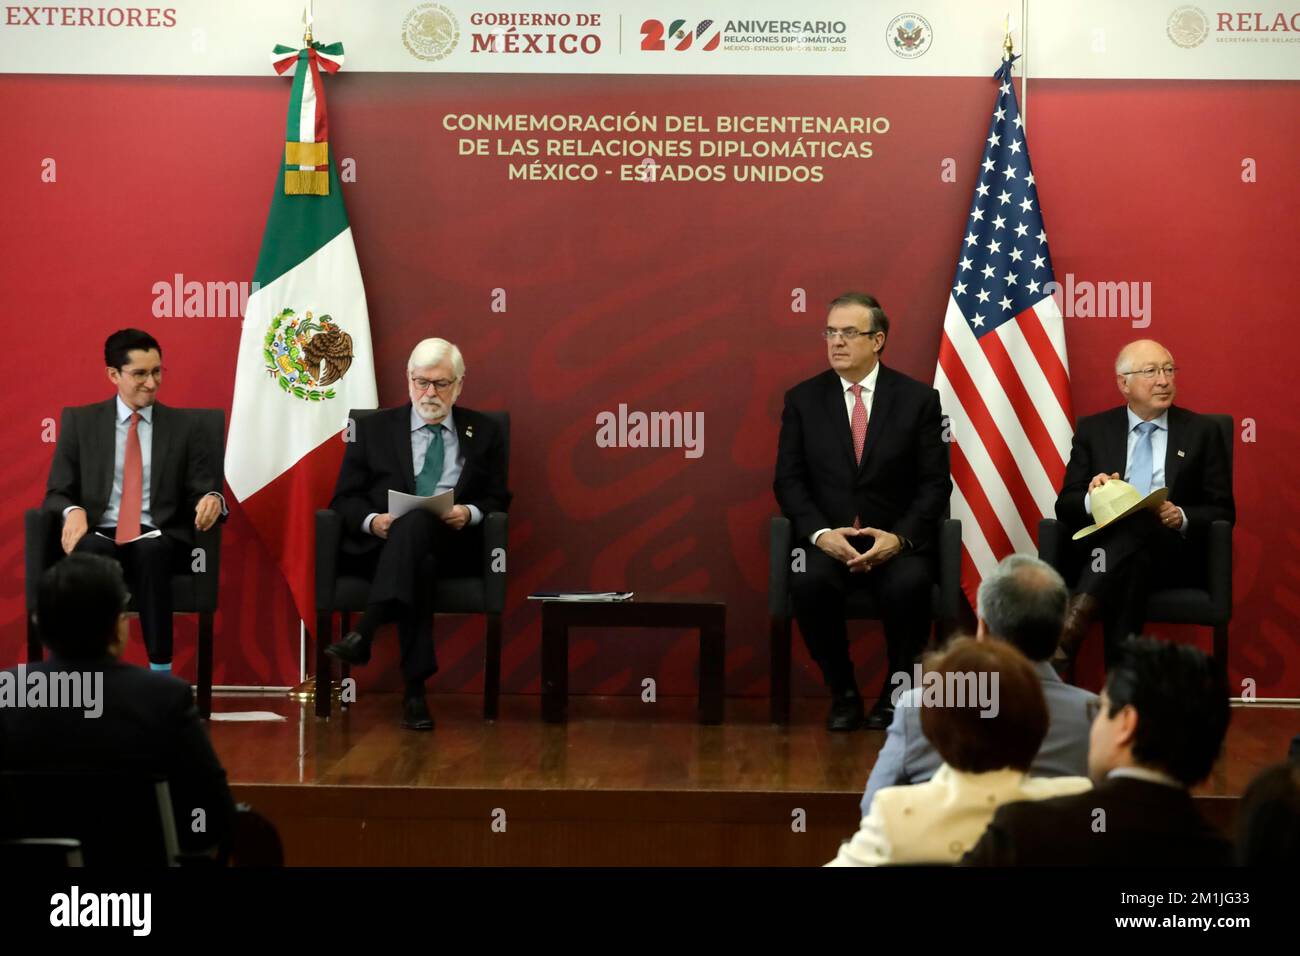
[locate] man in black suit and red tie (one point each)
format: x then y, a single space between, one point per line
862 474
425 447
131 480
1151 444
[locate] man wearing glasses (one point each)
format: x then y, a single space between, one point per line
421 448
1151 444
862 474
132 479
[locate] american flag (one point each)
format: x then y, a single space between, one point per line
1003 375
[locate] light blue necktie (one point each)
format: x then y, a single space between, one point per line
426 482
1140 470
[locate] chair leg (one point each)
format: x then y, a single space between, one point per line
1221 645
780 667
324 677
492 666
345 670
35 651
205 663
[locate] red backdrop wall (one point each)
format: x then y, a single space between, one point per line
666 296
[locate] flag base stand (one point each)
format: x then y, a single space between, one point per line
305 692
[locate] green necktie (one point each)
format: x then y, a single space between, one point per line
426 483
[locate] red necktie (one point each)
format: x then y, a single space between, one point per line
859 425
128 512
859 422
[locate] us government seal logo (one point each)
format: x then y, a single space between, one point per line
1188 27
430 31
909 35
306 355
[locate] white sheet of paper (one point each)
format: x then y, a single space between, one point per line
246 716
399 503
155 533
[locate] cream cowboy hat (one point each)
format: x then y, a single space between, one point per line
1117 499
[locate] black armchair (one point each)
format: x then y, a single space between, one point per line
346 594
1210 606
192 592
859 605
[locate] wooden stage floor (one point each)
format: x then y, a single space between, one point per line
623 783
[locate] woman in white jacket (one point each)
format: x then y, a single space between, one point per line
983 710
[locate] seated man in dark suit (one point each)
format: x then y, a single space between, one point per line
862 474
131 480
1023 603
146 723
421 448
1151 444
1164 713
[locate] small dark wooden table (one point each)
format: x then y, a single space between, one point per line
706 612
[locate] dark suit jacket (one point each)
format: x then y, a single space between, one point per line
1146 824
380 459
82 470
1199 481
903 483
148 725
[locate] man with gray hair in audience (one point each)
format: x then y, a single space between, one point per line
1022 602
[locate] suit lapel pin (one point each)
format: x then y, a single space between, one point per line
469 433
1181 453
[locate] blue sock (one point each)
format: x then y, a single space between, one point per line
166 668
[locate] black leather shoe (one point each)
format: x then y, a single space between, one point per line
881 716
846 712
415 714
353 649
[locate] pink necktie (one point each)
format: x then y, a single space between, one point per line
859 425
859 422
128 512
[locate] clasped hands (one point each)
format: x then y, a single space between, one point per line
456 518
1168 513
836 543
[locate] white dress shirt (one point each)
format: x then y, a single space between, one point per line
1159 446
453 462
868 390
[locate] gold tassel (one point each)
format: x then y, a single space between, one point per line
306 154
306 182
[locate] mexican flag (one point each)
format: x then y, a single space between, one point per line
304 354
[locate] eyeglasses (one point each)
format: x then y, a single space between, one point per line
1150 371
848 335
441 385
139 375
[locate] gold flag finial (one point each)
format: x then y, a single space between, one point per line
306 23
1006 38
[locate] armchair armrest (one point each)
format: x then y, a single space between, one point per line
496 527
206 582
329 535
1219 571
41 530
950 569
1051 542
778 582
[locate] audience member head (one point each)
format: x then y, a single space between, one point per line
1023 601
80 608
991 714
1165 708
1268 818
